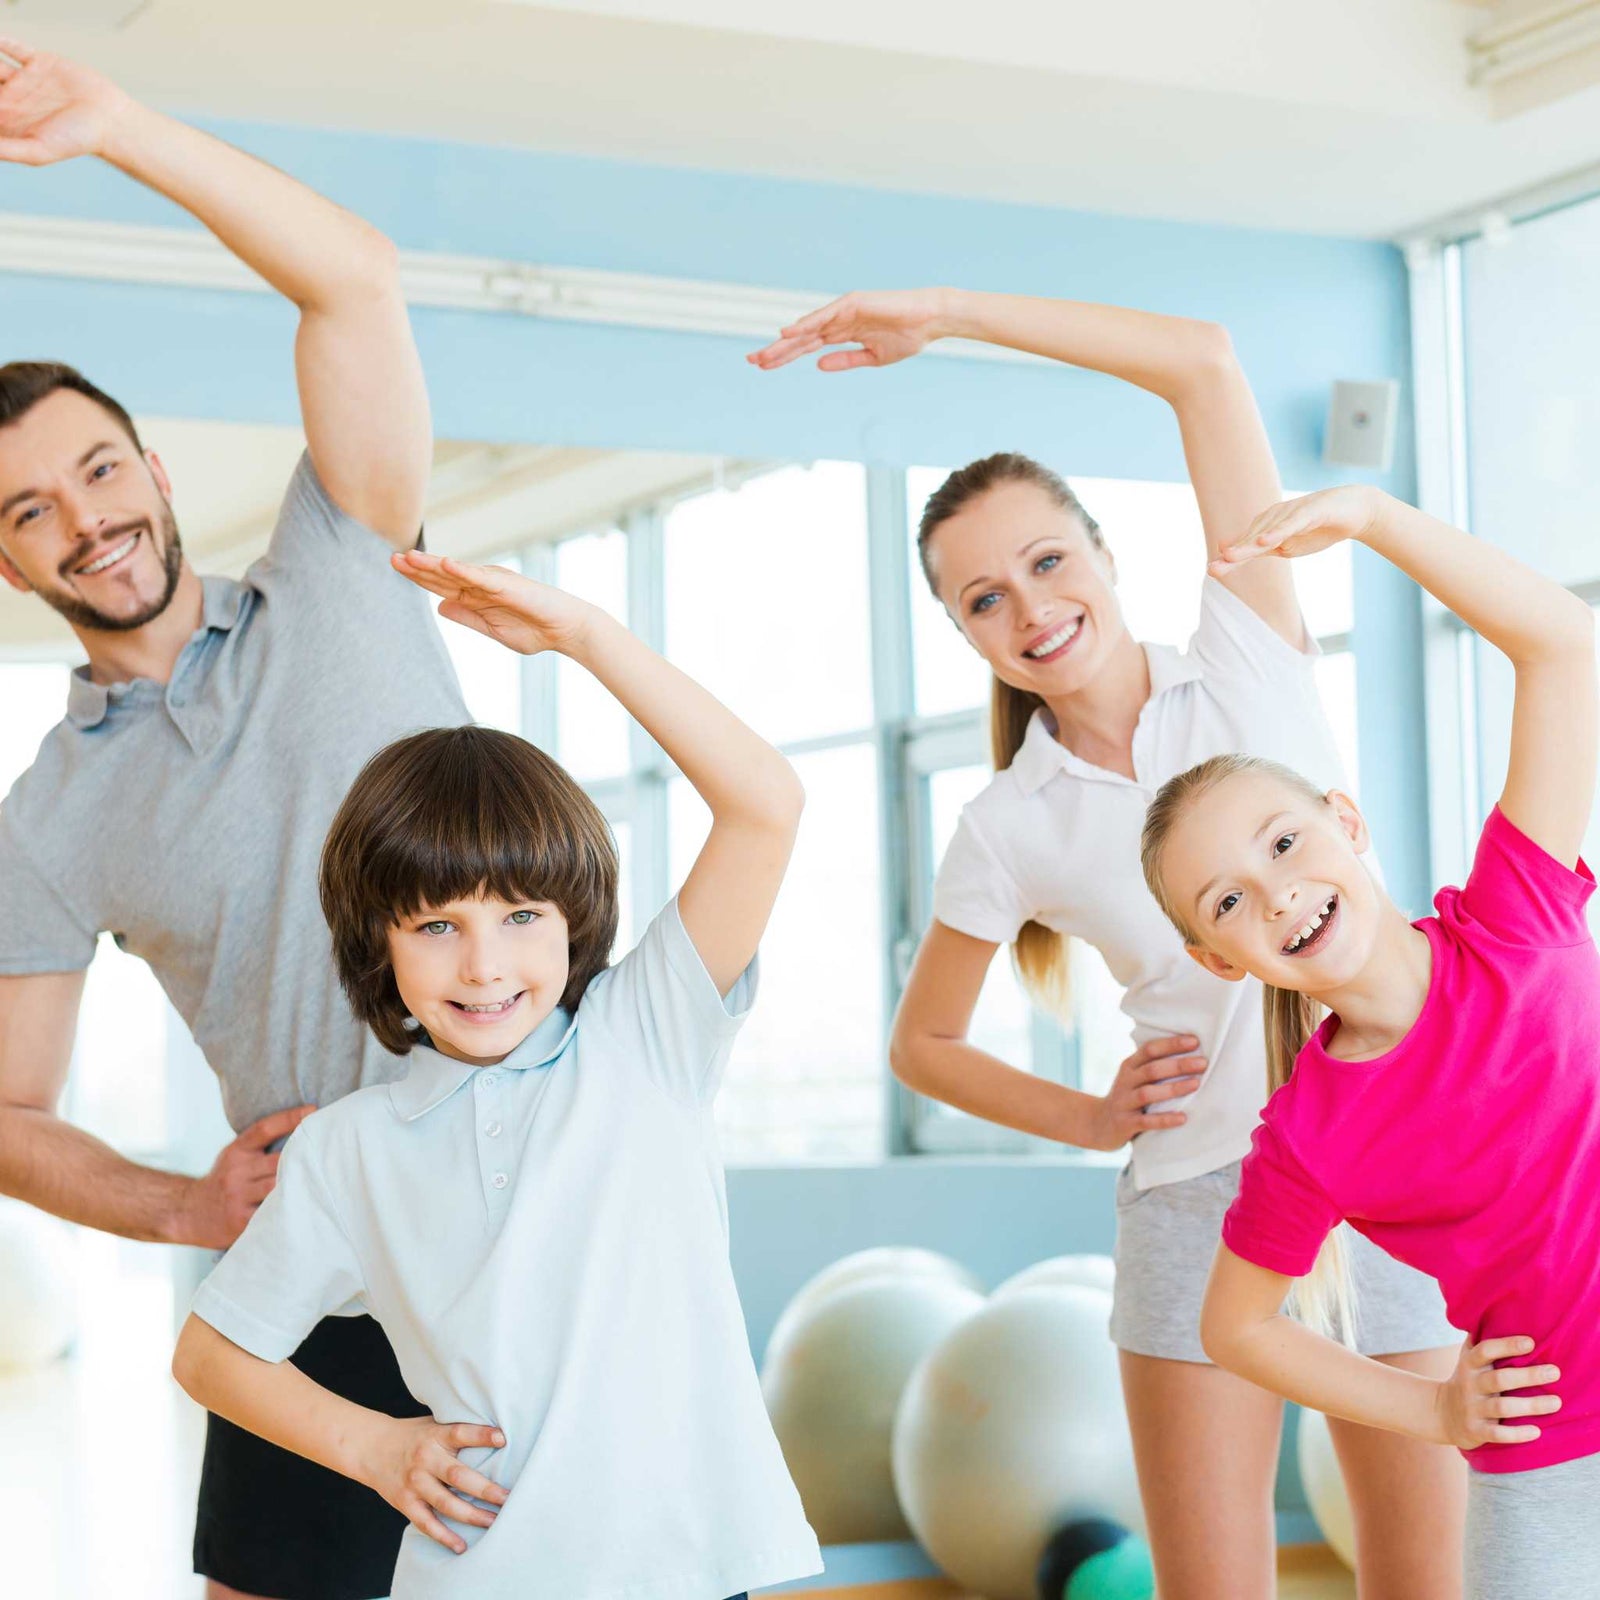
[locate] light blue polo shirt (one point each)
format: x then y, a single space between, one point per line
545 1242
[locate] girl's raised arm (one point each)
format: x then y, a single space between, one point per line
1189 364
1545 631
753 794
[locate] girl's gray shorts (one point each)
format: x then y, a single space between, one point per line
1166 1238
1530 1535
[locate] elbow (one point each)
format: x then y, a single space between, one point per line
905 1058
1219 1340
1205 360
367 268
186 1360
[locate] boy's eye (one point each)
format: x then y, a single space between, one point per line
1226 904
434 928
1283 843
521 918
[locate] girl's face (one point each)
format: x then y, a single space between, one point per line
480 975
1272 884
1028 587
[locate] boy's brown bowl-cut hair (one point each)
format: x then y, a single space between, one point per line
451 814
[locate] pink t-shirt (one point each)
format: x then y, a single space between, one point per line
1471 1150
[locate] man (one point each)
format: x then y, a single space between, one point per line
181 805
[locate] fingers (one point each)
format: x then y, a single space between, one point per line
462 1477
1500 1380
268 1130
1171 1045
846 360
257 1190
815 321
782 351
24 152
1138 1123
16 49
1169 1089
422 1518
468 616
1492 1350
473 1436
457 1509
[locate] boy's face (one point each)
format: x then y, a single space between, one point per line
480 975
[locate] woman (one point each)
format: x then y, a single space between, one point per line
1087 723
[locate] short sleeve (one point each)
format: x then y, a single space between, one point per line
1281 1216
973 893
1521 893
291 1267
38 931
659 1008
1232 641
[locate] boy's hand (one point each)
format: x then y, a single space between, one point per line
1306 525
1470 1405
52 109
515 611
413 1462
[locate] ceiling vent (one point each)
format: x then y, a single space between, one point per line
1524 36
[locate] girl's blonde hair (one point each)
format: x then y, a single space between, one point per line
1041 955
1289 1017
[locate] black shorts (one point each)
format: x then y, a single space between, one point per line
271 1522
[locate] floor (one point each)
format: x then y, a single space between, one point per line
99 1457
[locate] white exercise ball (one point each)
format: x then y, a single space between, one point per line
1324 1486
1012 1427
38 1302
864 1266
832 1380
1085 1271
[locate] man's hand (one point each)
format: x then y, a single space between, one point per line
52 109
218 1206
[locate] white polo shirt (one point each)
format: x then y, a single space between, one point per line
1054 839
545 1243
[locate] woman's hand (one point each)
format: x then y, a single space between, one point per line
413 1462
1305 525
52 109
513 610
1162 1069
1471 1404
885 327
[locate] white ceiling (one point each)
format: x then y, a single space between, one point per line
1345 117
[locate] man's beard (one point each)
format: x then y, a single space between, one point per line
80 614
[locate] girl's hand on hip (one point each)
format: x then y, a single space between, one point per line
514 611
1303 526
1472 1405
414 1464
884 327
1159 1070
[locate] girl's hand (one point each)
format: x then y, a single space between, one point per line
413 1463
885 327
1470 1405
1303 526
513 610
52 109
1149 1076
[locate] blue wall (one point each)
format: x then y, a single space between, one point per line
1302 311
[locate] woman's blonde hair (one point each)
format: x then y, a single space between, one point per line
1325 1298
1040 954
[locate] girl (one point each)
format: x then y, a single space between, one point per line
535 1212
1087 723
1448 1106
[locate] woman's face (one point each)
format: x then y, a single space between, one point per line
1029 588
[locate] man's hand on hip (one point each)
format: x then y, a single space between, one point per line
220 1204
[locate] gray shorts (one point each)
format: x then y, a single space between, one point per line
1166 1238
1530 1535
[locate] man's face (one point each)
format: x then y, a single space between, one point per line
85 522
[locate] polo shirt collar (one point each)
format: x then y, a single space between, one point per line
222 601
1042 756
431 1078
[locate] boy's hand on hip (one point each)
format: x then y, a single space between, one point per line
414 1463
1472 1405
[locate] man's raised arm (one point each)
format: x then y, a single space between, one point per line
362 395
69 1173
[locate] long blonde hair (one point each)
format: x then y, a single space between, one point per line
1325 1298
1041 956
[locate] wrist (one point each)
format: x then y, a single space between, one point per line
1082 1121
958 314
179 1222
588 638
129 129
1380 522
360 1449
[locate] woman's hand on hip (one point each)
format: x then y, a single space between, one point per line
884 326
1159 1070
1472 1404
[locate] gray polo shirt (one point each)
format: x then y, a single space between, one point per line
187 819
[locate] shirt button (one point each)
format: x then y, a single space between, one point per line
499 1180
493 1130
487 1081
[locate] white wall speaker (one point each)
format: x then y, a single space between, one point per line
1361 424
